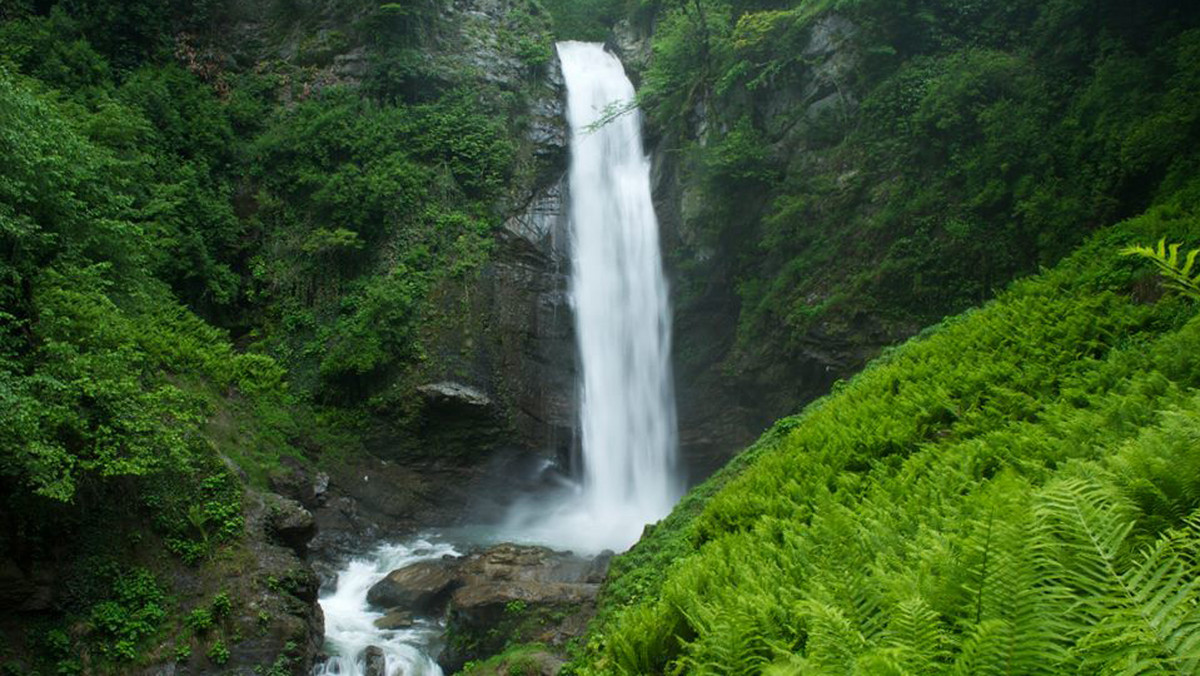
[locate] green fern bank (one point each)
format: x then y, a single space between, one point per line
1015 491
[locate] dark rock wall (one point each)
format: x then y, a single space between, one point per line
509 333
726 400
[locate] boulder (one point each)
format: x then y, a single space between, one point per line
397 619
273 593
374 662
291 525
519 594
422 587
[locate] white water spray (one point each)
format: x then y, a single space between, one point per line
622 319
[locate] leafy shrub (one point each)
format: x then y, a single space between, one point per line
199 620
221 605
132 613
218 652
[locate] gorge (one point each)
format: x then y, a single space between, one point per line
305 367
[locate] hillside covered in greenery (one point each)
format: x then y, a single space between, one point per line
212 259
1015 491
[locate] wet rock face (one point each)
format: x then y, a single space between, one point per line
526 283
508 334
524 358
633 45
725 398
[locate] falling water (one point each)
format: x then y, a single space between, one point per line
620 298
622 319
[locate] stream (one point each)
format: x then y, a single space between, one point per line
350 621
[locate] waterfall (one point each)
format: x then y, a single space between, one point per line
622 318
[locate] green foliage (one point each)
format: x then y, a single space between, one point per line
132 613
518 660
342 177
583 19
199 620
859 161
160 204
218 652
1014 491
196 518
221 605
1166 259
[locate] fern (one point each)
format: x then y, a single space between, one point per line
1166 259
986 650
1142 610
833 641
915 637
1018 604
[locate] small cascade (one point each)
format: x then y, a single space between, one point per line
350 621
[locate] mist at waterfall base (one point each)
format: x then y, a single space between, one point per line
627 407
622 321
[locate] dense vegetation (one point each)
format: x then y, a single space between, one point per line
854 170
220 249
212 259
1014 491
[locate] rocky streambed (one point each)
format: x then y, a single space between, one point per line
422 608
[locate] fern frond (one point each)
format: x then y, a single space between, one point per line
1092 527
1145 609
916 636
1019 612
833 641
1157 626
986 650
887 662
1190 262
1166 259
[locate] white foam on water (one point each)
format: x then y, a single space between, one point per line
350 622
